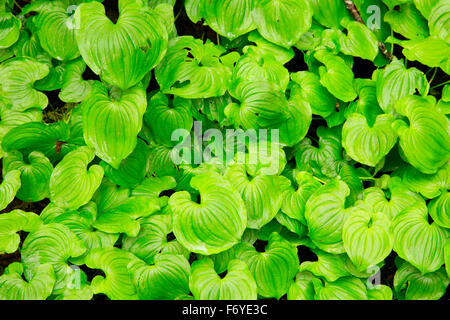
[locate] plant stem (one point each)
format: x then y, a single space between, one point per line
432 77
440 85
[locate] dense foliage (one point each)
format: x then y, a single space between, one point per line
117 181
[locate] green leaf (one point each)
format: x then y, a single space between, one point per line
73 87
332 267
262 194
425 6
367 237
348 288
293 225
329 12
322 102
254 66
118 212
165 114
294 200
35 174
132 169
439 20
325 215
154 237
411 284
393 201
219 208
81 224
262 105
13 287
231 18
52 243
273 269
396 82
9 29
368 144
9 187
192 69
324 160
282 22
336 75
121 53
55 30
407 21
302 287
299 114
359 41
118 281
17 77
429 185
379 292
425 139
112 121
13 222
430 51
268 48
439 209
72 184
417 241
237 284
447 257
12 118
166 279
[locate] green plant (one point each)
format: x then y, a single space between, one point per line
206 149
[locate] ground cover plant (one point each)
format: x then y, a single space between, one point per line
225 149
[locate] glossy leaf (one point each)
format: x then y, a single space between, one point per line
120 113
72 184
166 279
220 208
417 241
121 53
237 284
282 22
272 269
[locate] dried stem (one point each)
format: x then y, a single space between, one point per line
357 16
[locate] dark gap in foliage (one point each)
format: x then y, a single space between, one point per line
363 69
312 131
91 273
186 27
112 9
305 254
100 297
260 245
366 184
430 219
387 272
192 258
153 84
35 207
170 237
196 198
297 63
223 274
55 109
88 74
167 193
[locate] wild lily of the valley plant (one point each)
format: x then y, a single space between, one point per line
225 149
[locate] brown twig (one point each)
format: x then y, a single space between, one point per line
357 16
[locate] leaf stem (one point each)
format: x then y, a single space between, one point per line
440 85
432 77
